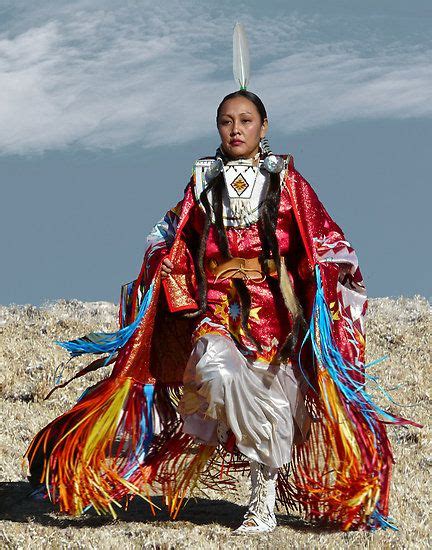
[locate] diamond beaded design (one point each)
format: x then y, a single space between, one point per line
239 185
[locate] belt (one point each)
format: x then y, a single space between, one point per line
242 268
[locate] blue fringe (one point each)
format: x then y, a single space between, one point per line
107 342
328 355
146 438
125 296
378 521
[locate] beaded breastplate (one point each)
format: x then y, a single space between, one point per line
244 191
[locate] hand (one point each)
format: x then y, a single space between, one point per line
167 267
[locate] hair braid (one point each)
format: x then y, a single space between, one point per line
268 218
218 211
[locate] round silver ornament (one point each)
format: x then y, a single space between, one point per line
214 170
273 164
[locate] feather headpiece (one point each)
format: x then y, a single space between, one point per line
241 61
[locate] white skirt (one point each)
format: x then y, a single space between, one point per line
262 404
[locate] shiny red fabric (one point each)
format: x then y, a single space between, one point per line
314 224
159 349
269 320
88 456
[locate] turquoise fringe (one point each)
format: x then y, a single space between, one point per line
107 342
328 356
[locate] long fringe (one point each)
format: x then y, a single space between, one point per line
104 449
90 455
341 475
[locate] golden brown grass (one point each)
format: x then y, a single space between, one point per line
400 328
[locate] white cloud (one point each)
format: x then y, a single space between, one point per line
94 78
320 87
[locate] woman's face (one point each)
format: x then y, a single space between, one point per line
240 128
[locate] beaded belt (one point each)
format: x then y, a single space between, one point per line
242 268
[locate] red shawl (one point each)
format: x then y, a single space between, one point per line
105 448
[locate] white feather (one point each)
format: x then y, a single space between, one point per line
241 60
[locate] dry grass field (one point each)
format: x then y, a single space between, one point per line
400 328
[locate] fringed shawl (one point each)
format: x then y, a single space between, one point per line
124 438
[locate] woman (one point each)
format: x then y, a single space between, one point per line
249 304
234 380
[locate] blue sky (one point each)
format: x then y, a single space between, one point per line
104 106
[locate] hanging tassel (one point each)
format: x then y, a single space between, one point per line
241 209
287 290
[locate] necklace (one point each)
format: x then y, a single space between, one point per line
243 197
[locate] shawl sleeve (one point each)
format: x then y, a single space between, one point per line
179 287
345 294
340 292
158 244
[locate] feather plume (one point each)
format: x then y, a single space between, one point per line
241 60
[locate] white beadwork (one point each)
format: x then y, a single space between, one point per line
241 203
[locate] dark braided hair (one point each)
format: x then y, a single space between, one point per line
267 223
